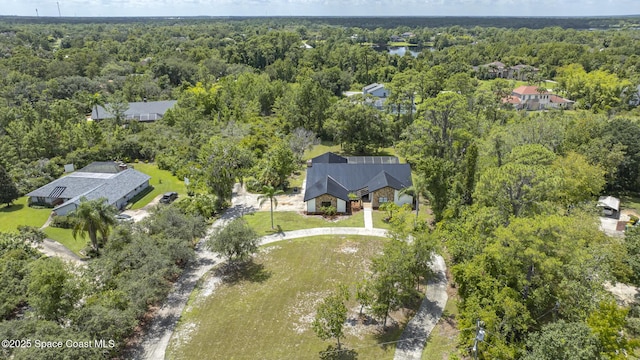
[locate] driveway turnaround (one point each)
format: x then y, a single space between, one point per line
156 339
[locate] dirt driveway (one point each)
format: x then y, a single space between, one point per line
143 212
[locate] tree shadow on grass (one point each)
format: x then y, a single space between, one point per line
11 208
386 337
233 273
332 353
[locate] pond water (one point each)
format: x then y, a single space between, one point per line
401 50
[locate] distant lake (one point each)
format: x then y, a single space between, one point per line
401 50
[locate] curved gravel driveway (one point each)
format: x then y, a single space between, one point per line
156 339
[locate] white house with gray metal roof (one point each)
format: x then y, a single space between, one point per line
117 187
376 179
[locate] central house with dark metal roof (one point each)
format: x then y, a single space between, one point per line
376 179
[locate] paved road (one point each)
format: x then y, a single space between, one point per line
156 338
414 336
53 248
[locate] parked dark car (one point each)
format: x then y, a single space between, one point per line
169 197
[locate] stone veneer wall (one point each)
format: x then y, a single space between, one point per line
326 197
387 192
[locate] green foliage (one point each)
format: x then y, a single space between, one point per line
236 241
8 190
279 162
52 289
328 211
632 256
63 222
331 315
203 205
269 193
357 126
562 340
93 217
607 323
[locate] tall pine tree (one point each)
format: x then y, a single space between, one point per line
8 190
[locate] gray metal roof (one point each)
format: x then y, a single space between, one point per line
353 177
140 111
609 202
372 87
113 187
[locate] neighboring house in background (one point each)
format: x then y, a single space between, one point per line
376 90
117 183
610 206
498 69
379 94
143 111
375 179
536 98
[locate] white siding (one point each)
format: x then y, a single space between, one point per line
311 206
342 206
65 209
401 200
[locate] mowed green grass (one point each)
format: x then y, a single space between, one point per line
65 237
289 220
162 182
21 214
268 313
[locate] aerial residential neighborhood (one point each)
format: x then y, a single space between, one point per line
322 187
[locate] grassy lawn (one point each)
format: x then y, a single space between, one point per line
64 237
401 43
317 150
266 312
486 84
20 214
162 182
630 201
328 146
290 220
296 179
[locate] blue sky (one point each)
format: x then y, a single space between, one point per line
321 7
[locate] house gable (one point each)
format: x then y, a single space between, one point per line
358 175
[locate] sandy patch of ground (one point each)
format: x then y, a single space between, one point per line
624 294
303 312
143 212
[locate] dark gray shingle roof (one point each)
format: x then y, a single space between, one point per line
328 158
353 177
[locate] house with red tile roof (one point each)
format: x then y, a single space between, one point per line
536 98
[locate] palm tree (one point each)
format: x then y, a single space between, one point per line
93 217
269 193
94 101
419 187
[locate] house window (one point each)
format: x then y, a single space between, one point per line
382 200
325 204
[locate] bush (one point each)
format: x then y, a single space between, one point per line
328 211
63 222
